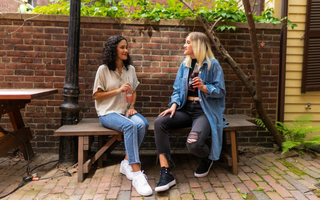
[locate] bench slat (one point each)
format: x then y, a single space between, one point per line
92 126
87 126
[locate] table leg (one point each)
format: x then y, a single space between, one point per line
17 123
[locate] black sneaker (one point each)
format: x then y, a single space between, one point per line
166 180
204 168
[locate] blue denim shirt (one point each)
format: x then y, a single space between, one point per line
213 104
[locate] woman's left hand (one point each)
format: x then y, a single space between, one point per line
131 111
197 82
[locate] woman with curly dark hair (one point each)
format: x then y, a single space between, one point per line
113 80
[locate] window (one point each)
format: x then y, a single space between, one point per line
311 56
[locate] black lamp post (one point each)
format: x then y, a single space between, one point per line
70 107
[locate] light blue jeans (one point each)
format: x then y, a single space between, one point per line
134 130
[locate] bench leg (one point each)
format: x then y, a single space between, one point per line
234 152
80 159
100 145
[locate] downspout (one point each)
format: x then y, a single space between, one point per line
283 60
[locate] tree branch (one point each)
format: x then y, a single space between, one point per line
215 24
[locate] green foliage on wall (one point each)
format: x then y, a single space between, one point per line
224 11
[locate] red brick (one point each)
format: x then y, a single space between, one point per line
23 48
22 35
222 193
251 185
12 41
152 46
6 47
60 37
281 190
54 43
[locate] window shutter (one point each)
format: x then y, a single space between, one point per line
311 58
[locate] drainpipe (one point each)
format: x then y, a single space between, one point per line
283 56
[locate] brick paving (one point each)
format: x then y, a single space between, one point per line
262 177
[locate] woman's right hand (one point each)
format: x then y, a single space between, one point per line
171 110
124 87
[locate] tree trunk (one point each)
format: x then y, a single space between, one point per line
255 93
256 59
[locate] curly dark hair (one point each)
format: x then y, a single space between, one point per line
109 53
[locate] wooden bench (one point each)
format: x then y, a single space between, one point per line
89 127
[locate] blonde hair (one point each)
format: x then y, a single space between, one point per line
201 49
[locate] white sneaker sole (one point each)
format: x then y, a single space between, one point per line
165 187
145 193
204 174
123 171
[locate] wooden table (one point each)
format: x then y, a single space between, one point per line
11 102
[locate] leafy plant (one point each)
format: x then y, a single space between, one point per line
101 8
224 11
295 133
242 194
145 9
267 17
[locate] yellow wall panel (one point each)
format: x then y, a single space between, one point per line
292 91
297 2
295 34
302 108
295 43
301 18
294 75
297 9
295 101
292 117
294 58
293 67
302 99
295 50
293 83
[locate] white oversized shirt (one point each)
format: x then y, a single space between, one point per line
109 80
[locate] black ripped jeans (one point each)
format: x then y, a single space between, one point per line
190 115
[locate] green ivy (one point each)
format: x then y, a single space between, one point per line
224 11
102 8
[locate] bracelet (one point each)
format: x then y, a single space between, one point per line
133 105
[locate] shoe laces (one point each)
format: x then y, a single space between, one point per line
142 179
163 172
128 167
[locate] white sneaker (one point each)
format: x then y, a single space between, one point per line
126 169
140 183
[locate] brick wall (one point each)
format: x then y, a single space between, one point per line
34 56
9 6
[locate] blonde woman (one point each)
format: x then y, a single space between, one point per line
198 102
